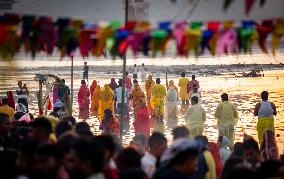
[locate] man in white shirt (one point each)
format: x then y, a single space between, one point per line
135 72
157 145
143 73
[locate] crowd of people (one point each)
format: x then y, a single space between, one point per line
58 146
46 149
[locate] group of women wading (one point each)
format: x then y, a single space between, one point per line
149 104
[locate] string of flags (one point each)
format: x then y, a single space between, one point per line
43 34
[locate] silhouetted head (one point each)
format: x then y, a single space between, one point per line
158 80
194 100
224 97
5 100
120 82
180 132
264 95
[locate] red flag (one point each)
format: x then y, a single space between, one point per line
248 5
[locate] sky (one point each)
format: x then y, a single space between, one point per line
93 11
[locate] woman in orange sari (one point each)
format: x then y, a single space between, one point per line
148 88
106 100
137 95
95 98
83 100
93 87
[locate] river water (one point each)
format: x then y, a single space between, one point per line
243 92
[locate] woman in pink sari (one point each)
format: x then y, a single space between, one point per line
83 100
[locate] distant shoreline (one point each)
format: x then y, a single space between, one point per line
172 70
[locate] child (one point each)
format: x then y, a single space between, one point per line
109 124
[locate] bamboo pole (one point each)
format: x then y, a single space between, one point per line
124 78
72 70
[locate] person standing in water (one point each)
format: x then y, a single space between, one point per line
143 73
227 117
195 118
135 72
84 100
148 88
192 84
184 95
265 111
19 90
157 100
85 71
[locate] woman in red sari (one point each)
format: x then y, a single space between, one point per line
113 85
83 100
142 121
11 101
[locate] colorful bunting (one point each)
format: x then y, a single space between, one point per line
43 34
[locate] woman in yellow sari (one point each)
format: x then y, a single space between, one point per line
106 100
157 100
137 95
95 98
183 94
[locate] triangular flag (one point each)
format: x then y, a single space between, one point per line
226 4
262 2
248 5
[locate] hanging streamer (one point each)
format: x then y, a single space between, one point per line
277 34
248 6
46 39
263 31
180 37
87 38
